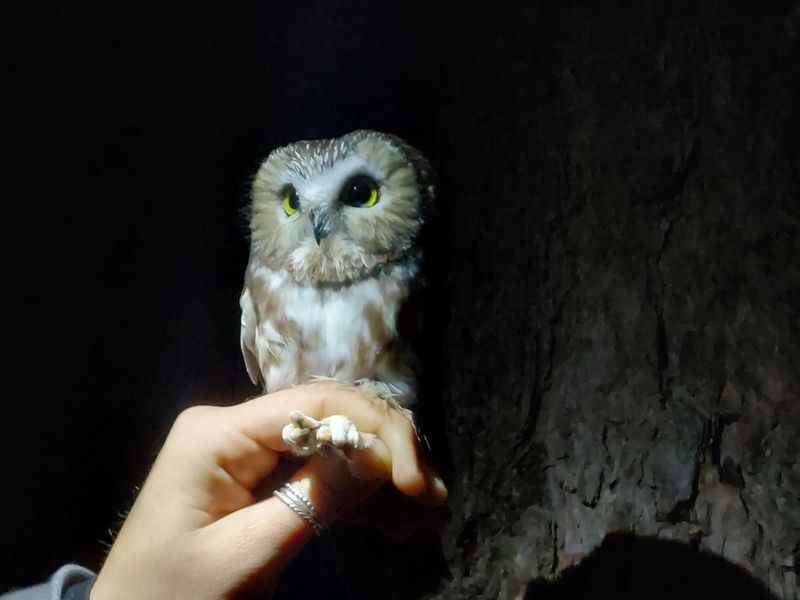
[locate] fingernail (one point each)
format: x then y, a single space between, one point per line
439 487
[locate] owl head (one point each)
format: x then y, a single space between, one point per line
336 211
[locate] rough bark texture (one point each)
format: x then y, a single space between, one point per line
623 349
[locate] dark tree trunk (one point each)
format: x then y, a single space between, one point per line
623 347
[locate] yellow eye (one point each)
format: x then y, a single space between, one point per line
290 201
373 198
361 191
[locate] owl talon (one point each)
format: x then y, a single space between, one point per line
298 440
305 435
343 433
303 421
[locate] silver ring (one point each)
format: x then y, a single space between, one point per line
300 505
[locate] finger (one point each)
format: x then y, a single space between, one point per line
245 460
372 461
263 537
263 418
407 471
435 493
203 437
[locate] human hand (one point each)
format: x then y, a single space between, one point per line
198 528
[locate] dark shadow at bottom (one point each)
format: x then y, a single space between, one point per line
627 566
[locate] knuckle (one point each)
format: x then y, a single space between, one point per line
194 416
325 403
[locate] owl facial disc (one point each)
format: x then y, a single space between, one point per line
337 210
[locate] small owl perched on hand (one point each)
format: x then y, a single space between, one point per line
334 228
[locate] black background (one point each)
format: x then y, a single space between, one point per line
133 133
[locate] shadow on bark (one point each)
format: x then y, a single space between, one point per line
628 566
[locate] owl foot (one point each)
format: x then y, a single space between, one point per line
306 436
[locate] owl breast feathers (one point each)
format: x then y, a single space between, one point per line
334 256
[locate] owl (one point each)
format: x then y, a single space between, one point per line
334 257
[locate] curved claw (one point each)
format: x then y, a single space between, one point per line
305 435
303 421
299 440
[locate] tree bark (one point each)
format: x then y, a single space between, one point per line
622 352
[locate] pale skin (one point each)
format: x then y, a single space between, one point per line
201 529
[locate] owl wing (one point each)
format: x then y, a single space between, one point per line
247 337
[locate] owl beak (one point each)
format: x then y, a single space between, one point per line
320 224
